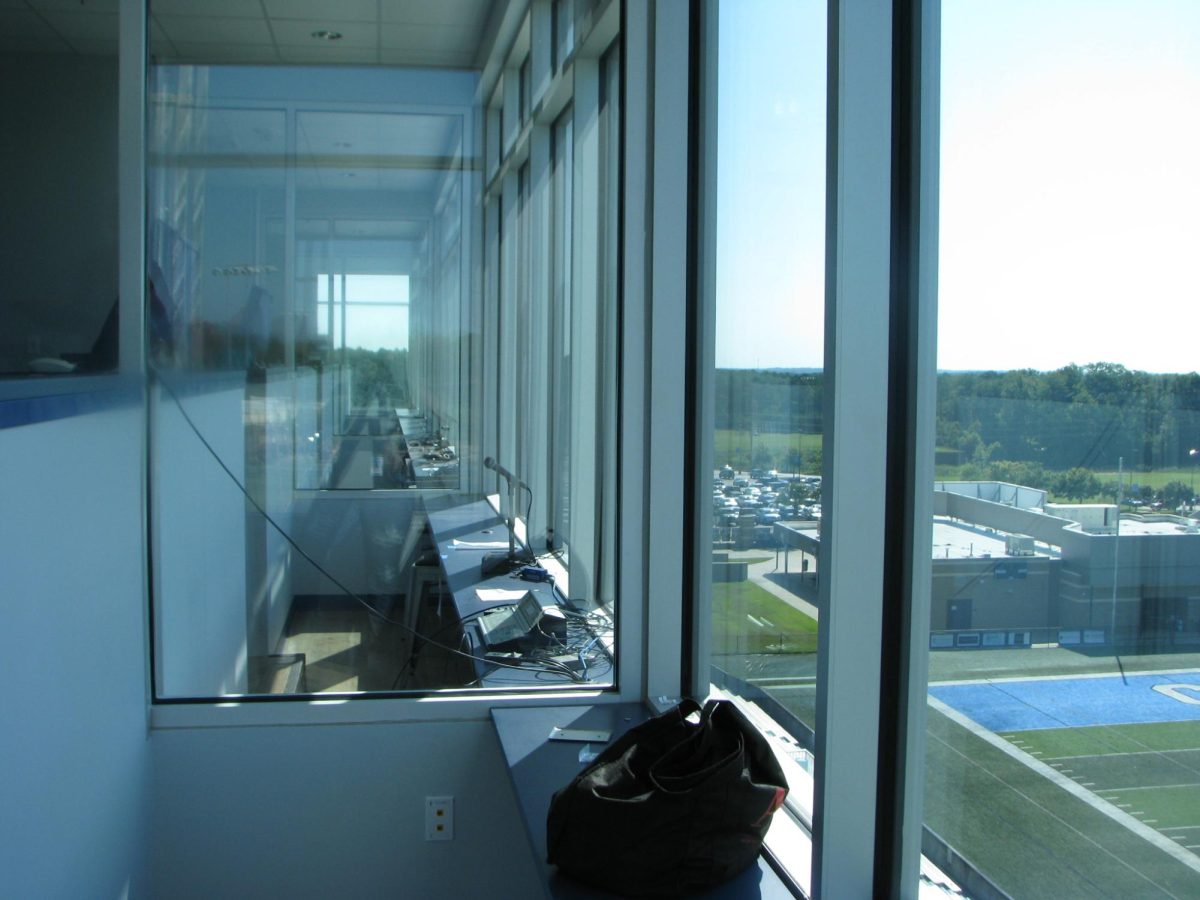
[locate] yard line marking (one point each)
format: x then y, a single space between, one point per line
1150 821
1122 752
1154 787
1088 783
1142 830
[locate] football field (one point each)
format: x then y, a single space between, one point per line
1113 767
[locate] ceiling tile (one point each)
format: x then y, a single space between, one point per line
78 6
215 30
469 14
390 56
435 38
193 52
23 23
341 11
46 43
299 33
89 47
91 26
231 9
330 54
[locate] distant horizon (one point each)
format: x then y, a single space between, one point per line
809 370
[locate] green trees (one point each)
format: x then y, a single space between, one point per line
1077 484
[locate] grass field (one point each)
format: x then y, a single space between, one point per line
1152 771
727 444
1035 839
749 619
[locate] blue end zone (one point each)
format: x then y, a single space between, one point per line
1061 703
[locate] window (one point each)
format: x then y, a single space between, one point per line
761 498
58 228
355 270
1064 620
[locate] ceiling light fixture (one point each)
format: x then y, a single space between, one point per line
323 35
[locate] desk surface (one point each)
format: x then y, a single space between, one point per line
456 526
539 767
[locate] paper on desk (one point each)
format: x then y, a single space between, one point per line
497 595
478 545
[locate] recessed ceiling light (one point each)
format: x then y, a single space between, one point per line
323 35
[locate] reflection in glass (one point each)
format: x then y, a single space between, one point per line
58 220
335 359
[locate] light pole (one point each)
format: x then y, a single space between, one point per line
1193 453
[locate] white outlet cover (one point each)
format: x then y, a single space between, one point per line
439 818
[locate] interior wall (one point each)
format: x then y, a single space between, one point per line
200 543
335 811
74 753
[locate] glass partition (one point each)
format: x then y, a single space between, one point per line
349 434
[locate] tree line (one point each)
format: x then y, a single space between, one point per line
1023 425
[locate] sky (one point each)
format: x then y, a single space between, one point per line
1069 188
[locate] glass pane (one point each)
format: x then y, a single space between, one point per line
334 392
1064 721
766 486
58 220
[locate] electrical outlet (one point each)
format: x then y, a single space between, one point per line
439 818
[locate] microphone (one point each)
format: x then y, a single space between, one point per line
489 462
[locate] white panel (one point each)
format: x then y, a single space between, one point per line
667 350
74 760
200 547
856 356
335 811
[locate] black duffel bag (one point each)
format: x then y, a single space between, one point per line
674 806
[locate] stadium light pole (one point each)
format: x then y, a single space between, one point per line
1193 453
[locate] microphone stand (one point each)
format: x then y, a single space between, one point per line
494 563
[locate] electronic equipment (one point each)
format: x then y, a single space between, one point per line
536 619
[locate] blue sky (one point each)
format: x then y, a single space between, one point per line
1070 183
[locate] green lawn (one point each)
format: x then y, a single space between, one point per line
727 444
783 628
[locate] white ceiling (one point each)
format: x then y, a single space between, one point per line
436 33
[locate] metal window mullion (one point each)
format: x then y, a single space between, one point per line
911 445
667 350
858 230
632 534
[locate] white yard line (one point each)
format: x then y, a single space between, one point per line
1139 828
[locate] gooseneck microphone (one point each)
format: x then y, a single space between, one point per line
490 463
493 563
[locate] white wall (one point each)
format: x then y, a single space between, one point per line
335 811
74 755
200 544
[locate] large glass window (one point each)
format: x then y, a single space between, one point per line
350 411
58 220
766 381
1064 635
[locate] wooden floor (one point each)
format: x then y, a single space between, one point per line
346 649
